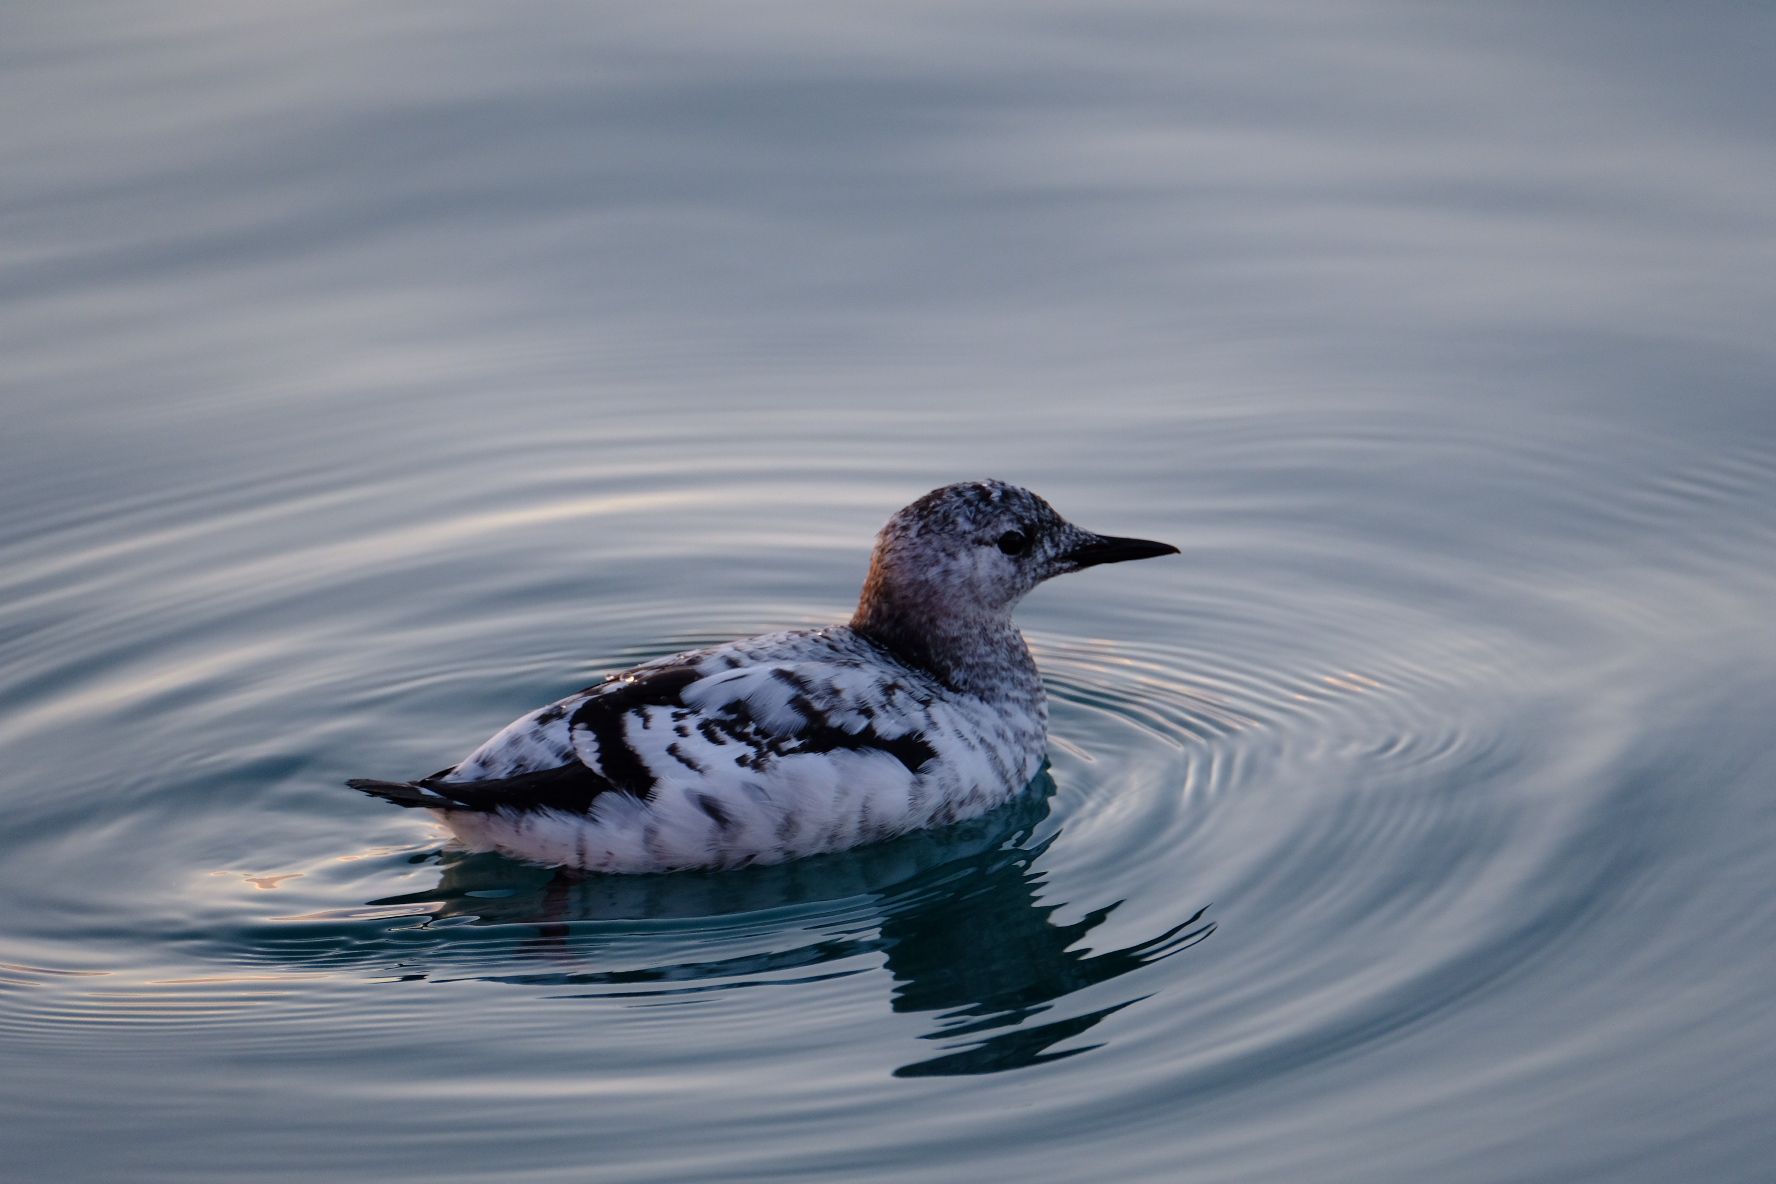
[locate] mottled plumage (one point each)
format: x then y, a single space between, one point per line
925 709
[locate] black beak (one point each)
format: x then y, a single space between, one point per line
1104 549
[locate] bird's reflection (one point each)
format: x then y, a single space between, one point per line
987 957
954 913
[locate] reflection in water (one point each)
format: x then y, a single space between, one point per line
986 955
953 913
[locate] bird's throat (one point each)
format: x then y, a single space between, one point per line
983 656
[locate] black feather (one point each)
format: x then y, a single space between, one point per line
605 715
401 793
570 789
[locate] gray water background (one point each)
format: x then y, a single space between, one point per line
375 372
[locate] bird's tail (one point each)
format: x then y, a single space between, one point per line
403 793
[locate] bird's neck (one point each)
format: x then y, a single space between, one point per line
980 653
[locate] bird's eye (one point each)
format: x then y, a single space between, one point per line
1014 542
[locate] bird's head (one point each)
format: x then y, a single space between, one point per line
968 553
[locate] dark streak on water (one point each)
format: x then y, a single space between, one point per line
375 373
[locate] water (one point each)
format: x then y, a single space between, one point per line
375 373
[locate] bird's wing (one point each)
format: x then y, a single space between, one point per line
788 708
687 719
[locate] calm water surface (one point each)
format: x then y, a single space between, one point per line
376 372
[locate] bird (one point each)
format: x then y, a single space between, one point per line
925 708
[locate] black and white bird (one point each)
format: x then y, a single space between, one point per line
924 709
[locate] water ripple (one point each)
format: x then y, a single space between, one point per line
1306 804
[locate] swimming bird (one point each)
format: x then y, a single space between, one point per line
926 708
